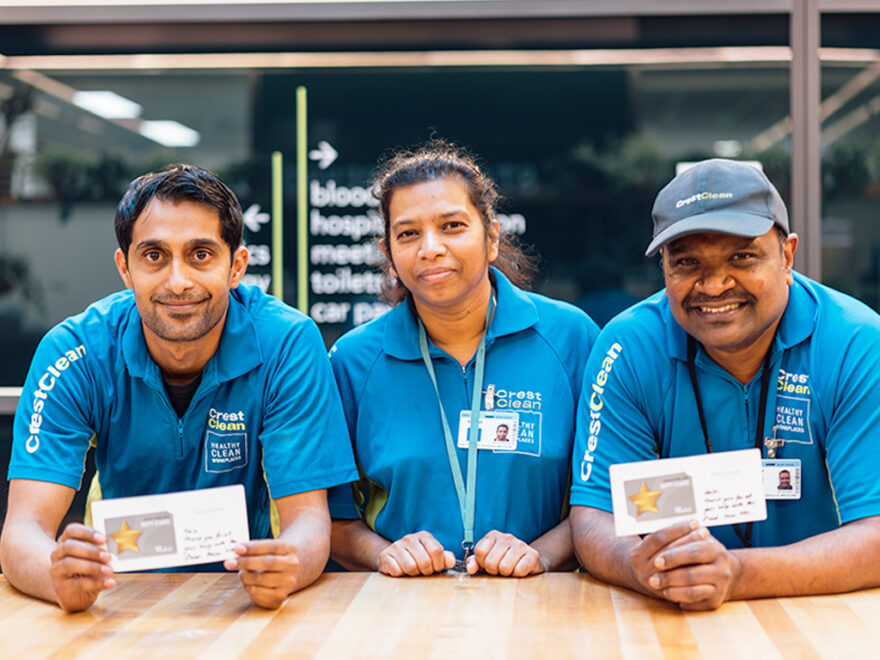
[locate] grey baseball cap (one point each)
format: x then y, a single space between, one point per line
717 195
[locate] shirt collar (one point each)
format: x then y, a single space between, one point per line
797 324
514 312
238 353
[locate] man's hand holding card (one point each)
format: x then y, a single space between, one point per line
268 570
674 501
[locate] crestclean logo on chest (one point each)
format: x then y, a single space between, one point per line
521 399
792 383
225 441
226 421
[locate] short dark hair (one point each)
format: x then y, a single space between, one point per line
781 234
176 183
504 425
439 159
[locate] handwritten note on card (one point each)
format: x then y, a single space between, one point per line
172 529
721 488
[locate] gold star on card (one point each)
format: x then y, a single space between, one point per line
126 539
645 500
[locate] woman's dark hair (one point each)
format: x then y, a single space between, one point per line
439 159
173 184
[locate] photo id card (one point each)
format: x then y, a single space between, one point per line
782 478
498 430
172 529
721 488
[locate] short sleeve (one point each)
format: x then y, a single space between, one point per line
612 423
305 443
53 424
341 498
854 427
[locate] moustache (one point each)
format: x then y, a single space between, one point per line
728 296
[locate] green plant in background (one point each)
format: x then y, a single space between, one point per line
15 276
776 163
75 176
68 172
845 170
620 179
634 163
110 177
14 106
18 103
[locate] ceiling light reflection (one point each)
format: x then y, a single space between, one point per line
169 133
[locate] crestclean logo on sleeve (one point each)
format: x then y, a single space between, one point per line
225 441
596 403
41 395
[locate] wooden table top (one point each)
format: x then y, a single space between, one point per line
364 615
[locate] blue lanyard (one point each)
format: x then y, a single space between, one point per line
466 495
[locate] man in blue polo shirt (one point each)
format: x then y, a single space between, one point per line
738 351
186 380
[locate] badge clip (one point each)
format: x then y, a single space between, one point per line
773 443
489 402
460 568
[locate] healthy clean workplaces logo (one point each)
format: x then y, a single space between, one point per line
225 441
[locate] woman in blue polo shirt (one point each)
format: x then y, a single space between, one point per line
461 400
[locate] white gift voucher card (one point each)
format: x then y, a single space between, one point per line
172 529
721 488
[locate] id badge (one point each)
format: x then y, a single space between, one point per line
499 431
782 478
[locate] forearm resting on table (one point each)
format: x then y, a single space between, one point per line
35 509
24 555
844 559
600 551
356 546
305 523
555 549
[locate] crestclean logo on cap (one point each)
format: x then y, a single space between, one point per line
702 195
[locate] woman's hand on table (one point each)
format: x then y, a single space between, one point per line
498 553
415 554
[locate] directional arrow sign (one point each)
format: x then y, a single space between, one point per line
325 154
253 218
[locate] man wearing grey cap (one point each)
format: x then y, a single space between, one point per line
738 351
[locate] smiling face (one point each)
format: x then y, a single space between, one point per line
181 272
437 243
729 292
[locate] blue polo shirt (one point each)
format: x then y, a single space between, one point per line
266 412
638 400
535 353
